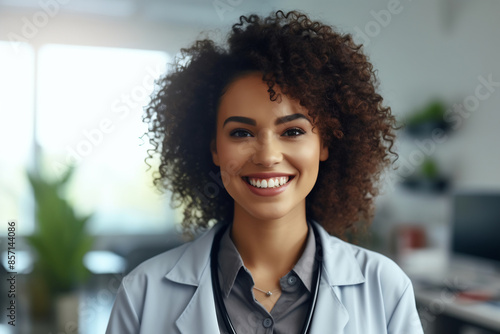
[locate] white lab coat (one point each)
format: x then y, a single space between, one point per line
360 292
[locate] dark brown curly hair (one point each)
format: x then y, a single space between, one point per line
310 62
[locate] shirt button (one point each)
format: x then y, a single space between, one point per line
292 280
268 322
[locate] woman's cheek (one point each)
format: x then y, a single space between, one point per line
245 150
226 178
305 152
231 169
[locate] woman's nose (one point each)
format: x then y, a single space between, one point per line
268 151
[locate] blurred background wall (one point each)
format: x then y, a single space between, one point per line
74 76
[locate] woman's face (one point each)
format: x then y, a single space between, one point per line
267 151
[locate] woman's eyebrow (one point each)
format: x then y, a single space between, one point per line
278 121
240 119
290 118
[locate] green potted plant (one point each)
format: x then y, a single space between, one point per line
60 242
428 178
423 121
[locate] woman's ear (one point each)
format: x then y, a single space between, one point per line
323 154
213 149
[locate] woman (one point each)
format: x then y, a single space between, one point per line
278 142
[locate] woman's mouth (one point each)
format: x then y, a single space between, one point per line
273 182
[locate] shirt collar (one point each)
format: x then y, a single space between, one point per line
230 262
306 266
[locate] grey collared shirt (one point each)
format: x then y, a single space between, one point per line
246 313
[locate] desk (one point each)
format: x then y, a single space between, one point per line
444 312
437 283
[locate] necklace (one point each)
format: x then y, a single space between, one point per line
268 293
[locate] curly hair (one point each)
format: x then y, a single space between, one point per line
310 62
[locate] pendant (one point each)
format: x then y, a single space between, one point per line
269 293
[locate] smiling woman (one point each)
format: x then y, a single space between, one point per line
270 156
287 122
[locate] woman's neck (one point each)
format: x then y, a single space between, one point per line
270 248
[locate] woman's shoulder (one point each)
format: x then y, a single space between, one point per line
144 297
361 264
161 263
374 264
171 263
370 285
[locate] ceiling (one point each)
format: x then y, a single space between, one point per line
206 12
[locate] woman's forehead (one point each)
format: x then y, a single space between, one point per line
248 95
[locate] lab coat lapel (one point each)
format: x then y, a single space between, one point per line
193 268
200 316
340 268
330 316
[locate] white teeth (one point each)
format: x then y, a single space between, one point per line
269 183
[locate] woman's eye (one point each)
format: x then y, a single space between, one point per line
240 133
293 132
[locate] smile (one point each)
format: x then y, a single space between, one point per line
273 182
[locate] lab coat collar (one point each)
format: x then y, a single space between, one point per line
192 268
340 268
339 262
195 260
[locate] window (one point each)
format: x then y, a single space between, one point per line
89 105
16 133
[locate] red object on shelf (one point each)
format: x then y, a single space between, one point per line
409 237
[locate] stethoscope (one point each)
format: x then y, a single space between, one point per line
219 302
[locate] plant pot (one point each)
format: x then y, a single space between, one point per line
66 312
436 185
40 298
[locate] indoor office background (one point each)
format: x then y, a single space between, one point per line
75 75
